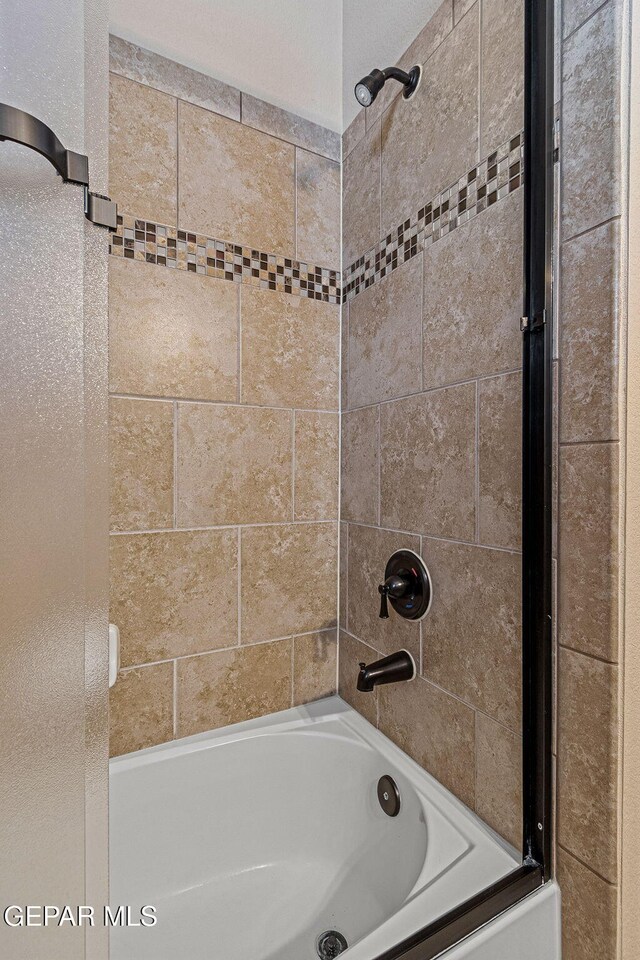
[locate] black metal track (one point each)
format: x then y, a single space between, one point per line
469 916
536 459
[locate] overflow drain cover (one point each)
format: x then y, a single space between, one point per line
389 796
330 944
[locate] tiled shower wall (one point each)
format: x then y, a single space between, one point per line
224 367
594 104
422 330
202 507
431 433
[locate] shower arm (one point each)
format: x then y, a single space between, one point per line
395 73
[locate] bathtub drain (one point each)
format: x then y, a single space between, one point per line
330 944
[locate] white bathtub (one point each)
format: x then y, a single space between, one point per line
253 840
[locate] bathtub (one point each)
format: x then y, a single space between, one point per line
253 840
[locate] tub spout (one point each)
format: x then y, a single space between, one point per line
392 669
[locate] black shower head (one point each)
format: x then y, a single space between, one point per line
370 86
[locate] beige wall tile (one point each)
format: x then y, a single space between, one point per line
174 594
415 163
314 666
361 197
344 548
233 685
434 729
289 350
234 183
351 654
150 68
588 549
369 550
385 337
472 642
360 475
317 210
427 463
589 906
141 709
353 134
576 12
142 150
344 357
234 465
288 580
499 779
316 466
589 335
587 761
426 42
171 333
502 97
141 464
500 460
461 7
591 149
471 310
289 126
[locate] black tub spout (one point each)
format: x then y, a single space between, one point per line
392 669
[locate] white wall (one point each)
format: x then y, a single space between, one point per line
305 57
375 33
285 51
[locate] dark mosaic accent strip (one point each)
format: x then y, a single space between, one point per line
167 246
493 179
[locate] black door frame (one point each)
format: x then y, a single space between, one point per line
537 679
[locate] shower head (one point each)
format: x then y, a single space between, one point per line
370 86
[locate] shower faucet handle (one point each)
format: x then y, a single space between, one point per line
394 586
383 590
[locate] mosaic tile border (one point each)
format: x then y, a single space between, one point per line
166 246
490 181
487 183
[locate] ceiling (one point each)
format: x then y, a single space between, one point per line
302 56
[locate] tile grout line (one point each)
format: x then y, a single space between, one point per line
295 202
207 653
430 536
292 677
422 309
480 75
239 351
222 526
239 595
570 853
175 464
583 233
379 451
293 466
589 656
594 13
175 699
177 162
477 462
429 390
220 403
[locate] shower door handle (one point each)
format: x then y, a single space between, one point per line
23 128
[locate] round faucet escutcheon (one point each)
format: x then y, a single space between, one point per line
407 586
